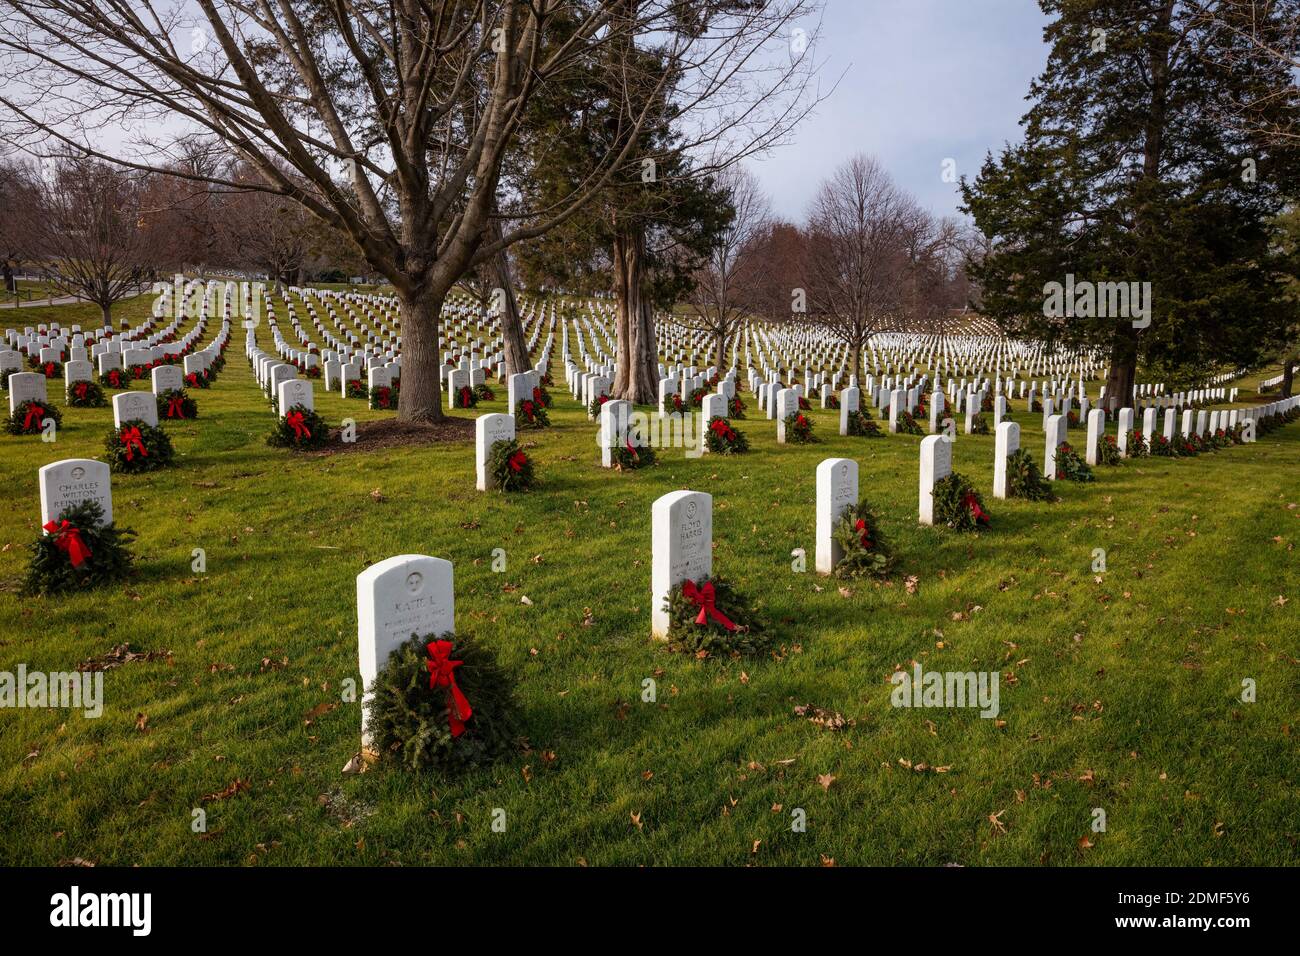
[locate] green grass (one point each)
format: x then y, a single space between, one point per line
1126 692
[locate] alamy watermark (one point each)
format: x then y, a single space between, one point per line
1101 300
946 689
71 690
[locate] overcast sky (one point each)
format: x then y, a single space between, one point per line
924 80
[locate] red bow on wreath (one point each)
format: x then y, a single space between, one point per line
704 599
464 396
861 528
131 437
537 394
49 369
517 461
176 407
68 539
114 377
382 397
722 429
35 413
192 380
601 399
296 421
630 450
972 503
528 409
442 673
79 389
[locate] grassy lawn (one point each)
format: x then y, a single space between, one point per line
1119 691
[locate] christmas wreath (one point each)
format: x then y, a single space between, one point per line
722 439
198 380
986 403
859 422
52 369
1072 418
832 401
444 704
79 552
1237 434
357 389
531 414
1108 450
464 397
1070 466
381 396
979 425
677 402
866 554
697 397
114 378
28 416
174 403
1024 480
1162 447
86 394
629 457
1137 445
542 397
511 469
300 427
1220 439
593 410
1189 445
735 408
710 616
483 393
907 424
1035 406
138 372
137 447
798 429
804 404
958 505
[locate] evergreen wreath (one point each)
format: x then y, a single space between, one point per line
677 402
483 393
511 469
710 617
52 369
381 397
357 389
1220 439
1024 480
866 553
1035 406
979 425
986 403
137 447
174 404
86 394
27 417
629 457
1137 445
958 505
860 423
832 401
531 414
1162 447
542 397
139 372
442 703
299 428
1072 418
697 396
735 408
593 410
1189 445
1070 466
114 378
804 404
799 429
1108 450
198 380
79 552
907 425
722 439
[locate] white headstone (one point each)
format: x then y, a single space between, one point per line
682 548
837 489
1006 442
66 484
134 406
936 464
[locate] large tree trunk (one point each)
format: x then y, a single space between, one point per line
637 377
106 312
1288 374
11 284
512 327
1123 369
421 396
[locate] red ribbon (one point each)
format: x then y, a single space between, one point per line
49 369
630 450
972 503
176 407
192 379
442 673
295 421
528 408
722 429
464 396
129 437
79 389
537 395
34 413
382 397
861 528
704 599
517 461
68 539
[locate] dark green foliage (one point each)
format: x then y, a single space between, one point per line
736 408
316 432
712 638
979 425
357 389
1070 466
630 457
1162 447
907 425
542 397
1137 445
27 418
50 570
860 423
183 406
597 403
958 505
114 378
857 525
123 452
483 393
1024 480
510 468
408 718
86 395
383 397
722 439
1107 450
799 429
531 414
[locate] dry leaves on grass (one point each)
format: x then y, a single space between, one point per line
830 719
119 655
237 786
